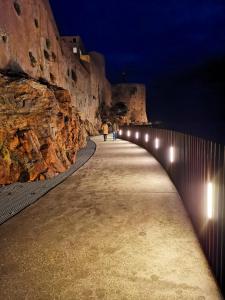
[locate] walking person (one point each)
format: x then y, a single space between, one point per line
115 129
105 129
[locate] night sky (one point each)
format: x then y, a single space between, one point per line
158 43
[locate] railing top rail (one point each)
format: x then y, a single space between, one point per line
173 131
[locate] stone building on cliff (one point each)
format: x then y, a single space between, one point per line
30 43
133 96
52 93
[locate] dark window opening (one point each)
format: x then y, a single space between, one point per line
41 68
46 54
48 43
33 60
17 8
36 23
74 40
68 72
73 75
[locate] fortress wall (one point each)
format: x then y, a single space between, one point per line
134 96
31 31
46 116
30 42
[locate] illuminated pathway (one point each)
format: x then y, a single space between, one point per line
116 229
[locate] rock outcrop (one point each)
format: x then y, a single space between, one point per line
40 131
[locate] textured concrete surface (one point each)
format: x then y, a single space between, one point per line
116 229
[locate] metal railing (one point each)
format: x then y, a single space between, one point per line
197 168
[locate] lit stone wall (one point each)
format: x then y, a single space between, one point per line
30 43
134 96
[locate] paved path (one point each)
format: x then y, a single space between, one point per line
116 229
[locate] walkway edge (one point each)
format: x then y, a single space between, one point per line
17 196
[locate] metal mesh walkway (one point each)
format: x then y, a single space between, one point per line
15 197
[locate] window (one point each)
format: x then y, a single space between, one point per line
46 54
73 75
74 49
36 23
48 43
17 8
33 60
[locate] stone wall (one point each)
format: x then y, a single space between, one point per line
51 95
134 97
30 43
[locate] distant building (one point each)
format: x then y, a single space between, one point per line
77 47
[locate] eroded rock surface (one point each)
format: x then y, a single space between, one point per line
40 131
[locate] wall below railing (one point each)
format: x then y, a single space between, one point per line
197 168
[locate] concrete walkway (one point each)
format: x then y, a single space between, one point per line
116 229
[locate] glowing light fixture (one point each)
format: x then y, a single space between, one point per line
172 155
137 135
128 133
120 132
210 200
156 143
146 138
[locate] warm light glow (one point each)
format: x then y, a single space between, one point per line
172 154
128 133
210 200
74 49
137 135
120 132
146 138
156 143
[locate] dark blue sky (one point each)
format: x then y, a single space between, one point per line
175 47
147 39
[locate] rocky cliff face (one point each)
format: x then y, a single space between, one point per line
40 131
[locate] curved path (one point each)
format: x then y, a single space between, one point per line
116 229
